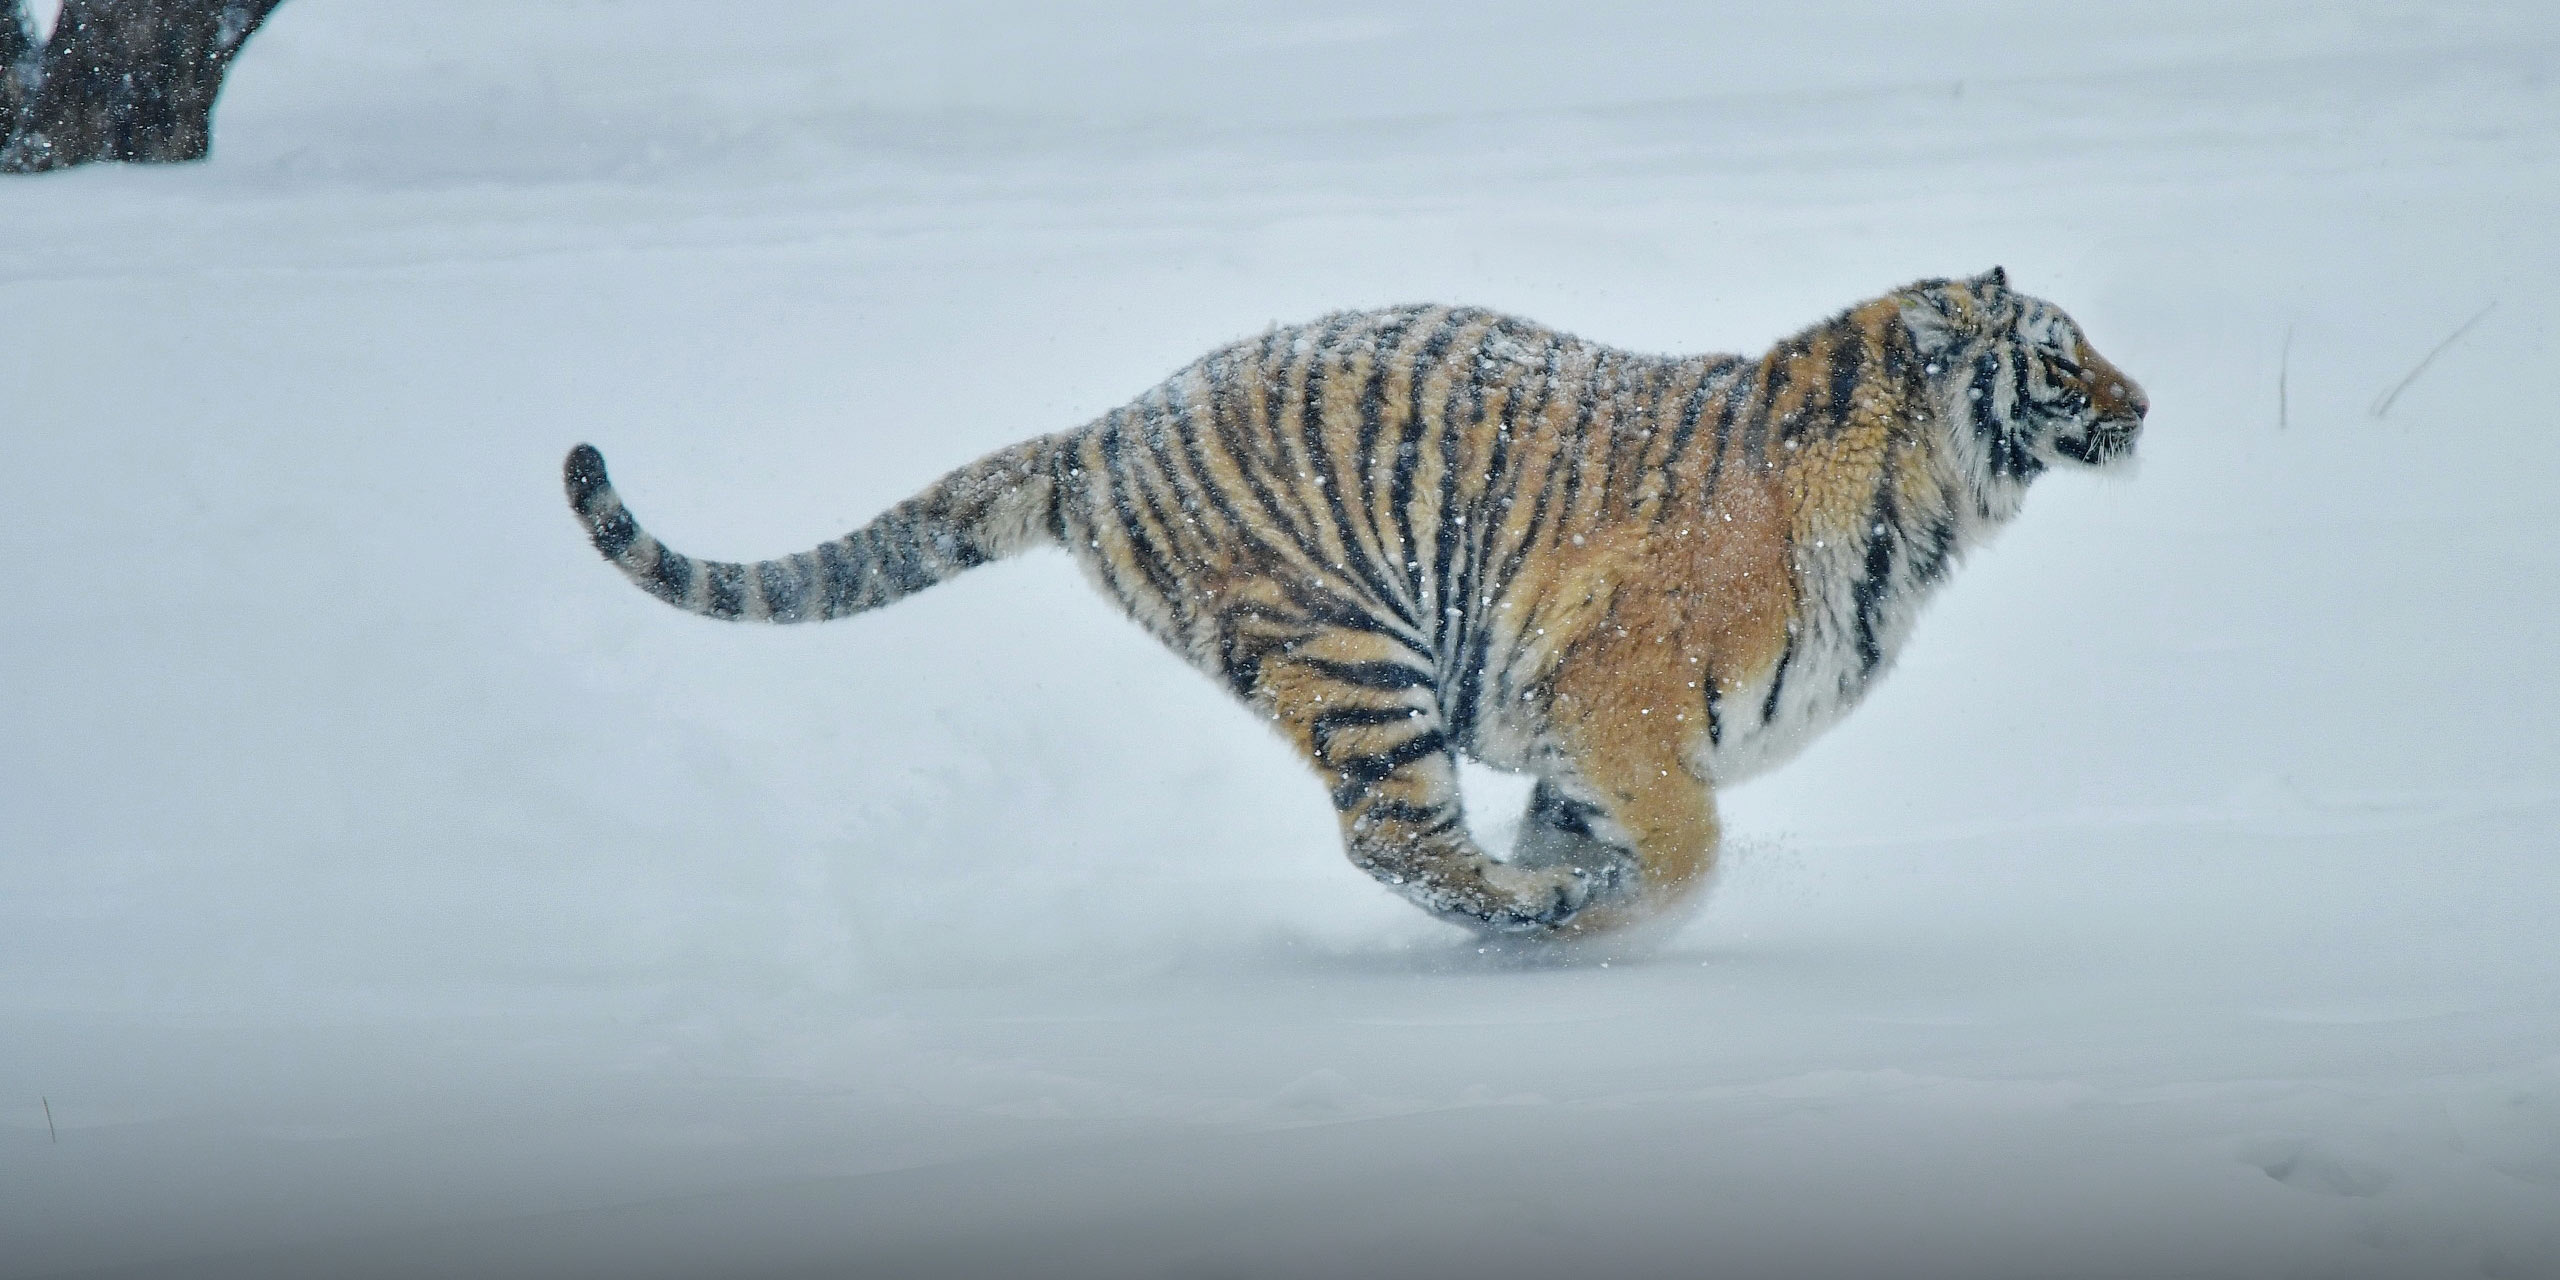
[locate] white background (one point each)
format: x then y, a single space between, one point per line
388 888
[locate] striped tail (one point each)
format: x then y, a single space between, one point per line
991 508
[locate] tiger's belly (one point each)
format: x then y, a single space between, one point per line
1808 675
1765 721
1749 728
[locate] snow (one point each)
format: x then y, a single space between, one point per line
386 888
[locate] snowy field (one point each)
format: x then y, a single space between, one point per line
388 889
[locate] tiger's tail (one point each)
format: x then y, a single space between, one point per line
994 507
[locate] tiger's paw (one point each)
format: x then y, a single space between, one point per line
1551 899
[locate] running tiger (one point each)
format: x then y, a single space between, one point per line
1407 534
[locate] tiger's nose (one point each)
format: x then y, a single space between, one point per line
2118 393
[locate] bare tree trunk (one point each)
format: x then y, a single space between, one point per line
18 50
119 80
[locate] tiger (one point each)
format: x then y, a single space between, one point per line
1407 535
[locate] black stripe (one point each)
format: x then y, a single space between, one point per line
839 590
1363 772
1576 444
1773 387
1365 532
1662 424
1373 394
1443 827
1295 467
910 572
1522 546
1124 512
1311 422
1402 476
964 552
1241 662
1435 818
1187 430
1266 398
872 569
1127 494
1982 389
784 592
1777 681
1640 413
1320 730
1368 675
1231 437
904 565
671 575
1528 541
1937 547
725 589
1171 417
1901 364
1728 402
1373 424
1869 591
2028 410
1715 706
1228 422
1112 579
1554 809
1740 394
1476 655
1455 581
1848 368
1061 470
615 532
1612 446
1690 408
1696 405
1319 606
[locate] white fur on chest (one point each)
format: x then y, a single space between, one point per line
1825 669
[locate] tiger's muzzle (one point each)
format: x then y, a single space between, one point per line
2117 407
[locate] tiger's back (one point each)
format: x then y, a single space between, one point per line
1407 534
1413 475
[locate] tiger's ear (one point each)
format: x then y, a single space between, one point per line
1938 322
1992 284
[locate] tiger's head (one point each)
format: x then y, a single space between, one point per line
2018 383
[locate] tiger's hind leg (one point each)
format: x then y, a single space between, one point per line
1370 724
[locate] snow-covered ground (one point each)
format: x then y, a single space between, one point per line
386 888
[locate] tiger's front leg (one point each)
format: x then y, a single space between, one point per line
1561 830
1371 726
1629 744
